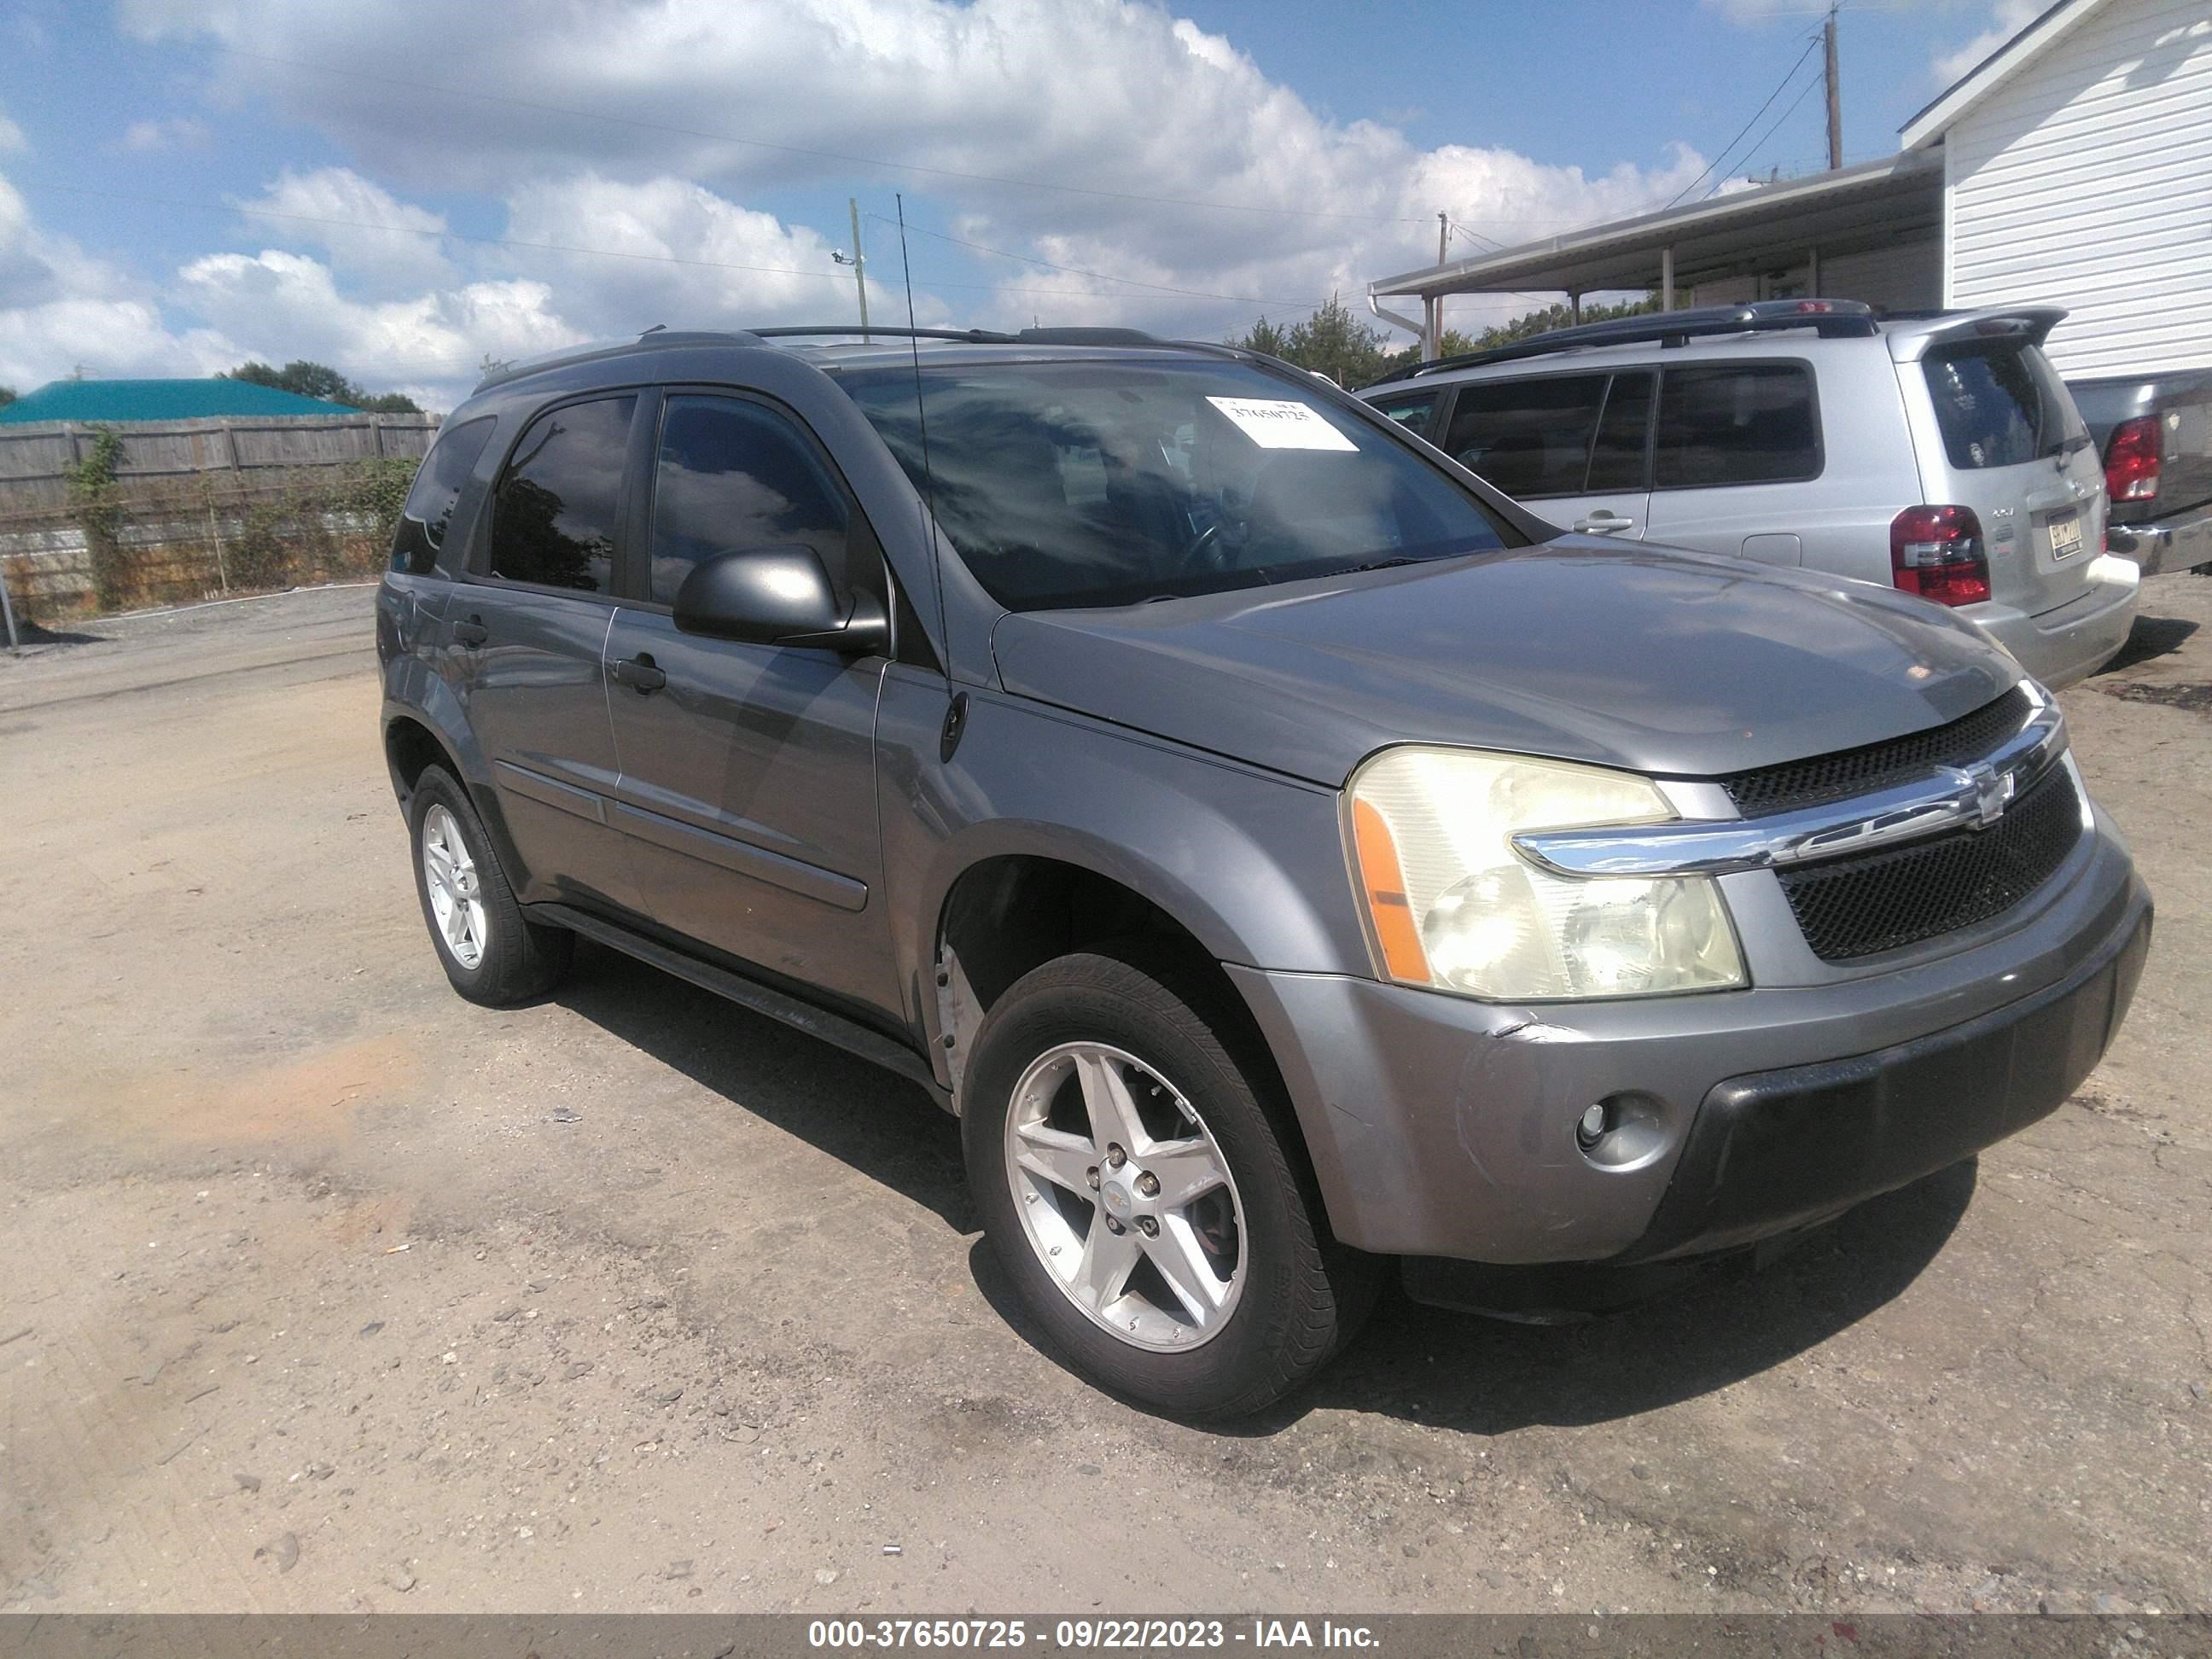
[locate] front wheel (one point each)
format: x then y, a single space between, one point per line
1141 1195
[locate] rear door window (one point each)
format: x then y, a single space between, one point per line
1997 403
1413 411
1529 438
437 491
1736 423
553 522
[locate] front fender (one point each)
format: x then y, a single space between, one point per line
1251 863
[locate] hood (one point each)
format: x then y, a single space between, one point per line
1674 664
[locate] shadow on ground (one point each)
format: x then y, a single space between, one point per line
30 633
1454 1371
866 1117
2151 637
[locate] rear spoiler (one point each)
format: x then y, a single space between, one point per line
1911 338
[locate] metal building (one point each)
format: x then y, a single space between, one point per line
2072 166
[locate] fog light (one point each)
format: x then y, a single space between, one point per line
1590 1127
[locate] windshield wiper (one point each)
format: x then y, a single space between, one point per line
1374 564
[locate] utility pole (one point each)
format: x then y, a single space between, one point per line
860 265
1432 309
1835 97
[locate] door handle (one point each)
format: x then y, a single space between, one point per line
641 674
471 633
1598 524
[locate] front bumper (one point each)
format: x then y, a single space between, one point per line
2063 646
1443 1126
2178 543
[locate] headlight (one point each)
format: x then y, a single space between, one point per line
1454 907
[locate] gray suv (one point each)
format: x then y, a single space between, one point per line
1290 859
1938 454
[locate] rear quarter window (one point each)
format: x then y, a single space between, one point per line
437 490
1736 423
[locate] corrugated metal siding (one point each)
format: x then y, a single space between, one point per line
2085 181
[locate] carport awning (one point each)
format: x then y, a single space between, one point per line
1853 209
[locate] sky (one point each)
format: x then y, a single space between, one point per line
404 188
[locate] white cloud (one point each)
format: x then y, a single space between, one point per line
1191 168
280 306
368 236
60 309
2008 18
182 131
11 136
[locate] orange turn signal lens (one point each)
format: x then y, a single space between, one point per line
1383 880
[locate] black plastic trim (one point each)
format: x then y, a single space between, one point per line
833 1029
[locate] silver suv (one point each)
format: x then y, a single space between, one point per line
1940 455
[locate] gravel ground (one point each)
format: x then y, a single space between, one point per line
327 1291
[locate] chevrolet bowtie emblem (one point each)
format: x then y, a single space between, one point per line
1992 791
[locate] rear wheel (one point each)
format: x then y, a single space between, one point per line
1141 1195
490 951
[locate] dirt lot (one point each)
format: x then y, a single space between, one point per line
325 1290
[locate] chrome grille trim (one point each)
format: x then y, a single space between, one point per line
1956 798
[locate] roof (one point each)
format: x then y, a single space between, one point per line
1871 204
1929 124
161 400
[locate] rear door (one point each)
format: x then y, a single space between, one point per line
2007 442
1735 445
528 630
748 792
1572 447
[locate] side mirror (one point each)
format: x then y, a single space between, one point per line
778 596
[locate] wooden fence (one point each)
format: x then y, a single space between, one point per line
35 456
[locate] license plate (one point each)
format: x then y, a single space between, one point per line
2065 537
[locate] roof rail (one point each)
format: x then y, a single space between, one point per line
804 331
659 338
1831 319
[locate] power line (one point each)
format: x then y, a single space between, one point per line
1752 154
1780 87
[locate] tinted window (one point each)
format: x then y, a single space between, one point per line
1528 437
1617 459
1414 412
1731 424
430 503
1997 405
553 523
733 476
1111 482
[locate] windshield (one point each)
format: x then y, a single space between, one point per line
1110 482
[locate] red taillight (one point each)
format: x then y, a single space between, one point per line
2131 460
1936 552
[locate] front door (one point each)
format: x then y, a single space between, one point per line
528 632
747 793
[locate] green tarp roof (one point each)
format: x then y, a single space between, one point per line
161 400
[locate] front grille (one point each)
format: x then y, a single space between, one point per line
1849 772
1885 901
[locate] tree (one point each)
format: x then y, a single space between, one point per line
308 379
96 503
7 396
1456 344
1264 338
1332 342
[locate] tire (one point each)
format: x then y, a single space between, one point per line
1292 1296
501 958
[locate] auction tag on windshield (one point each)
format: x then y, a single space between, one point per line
1279 423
